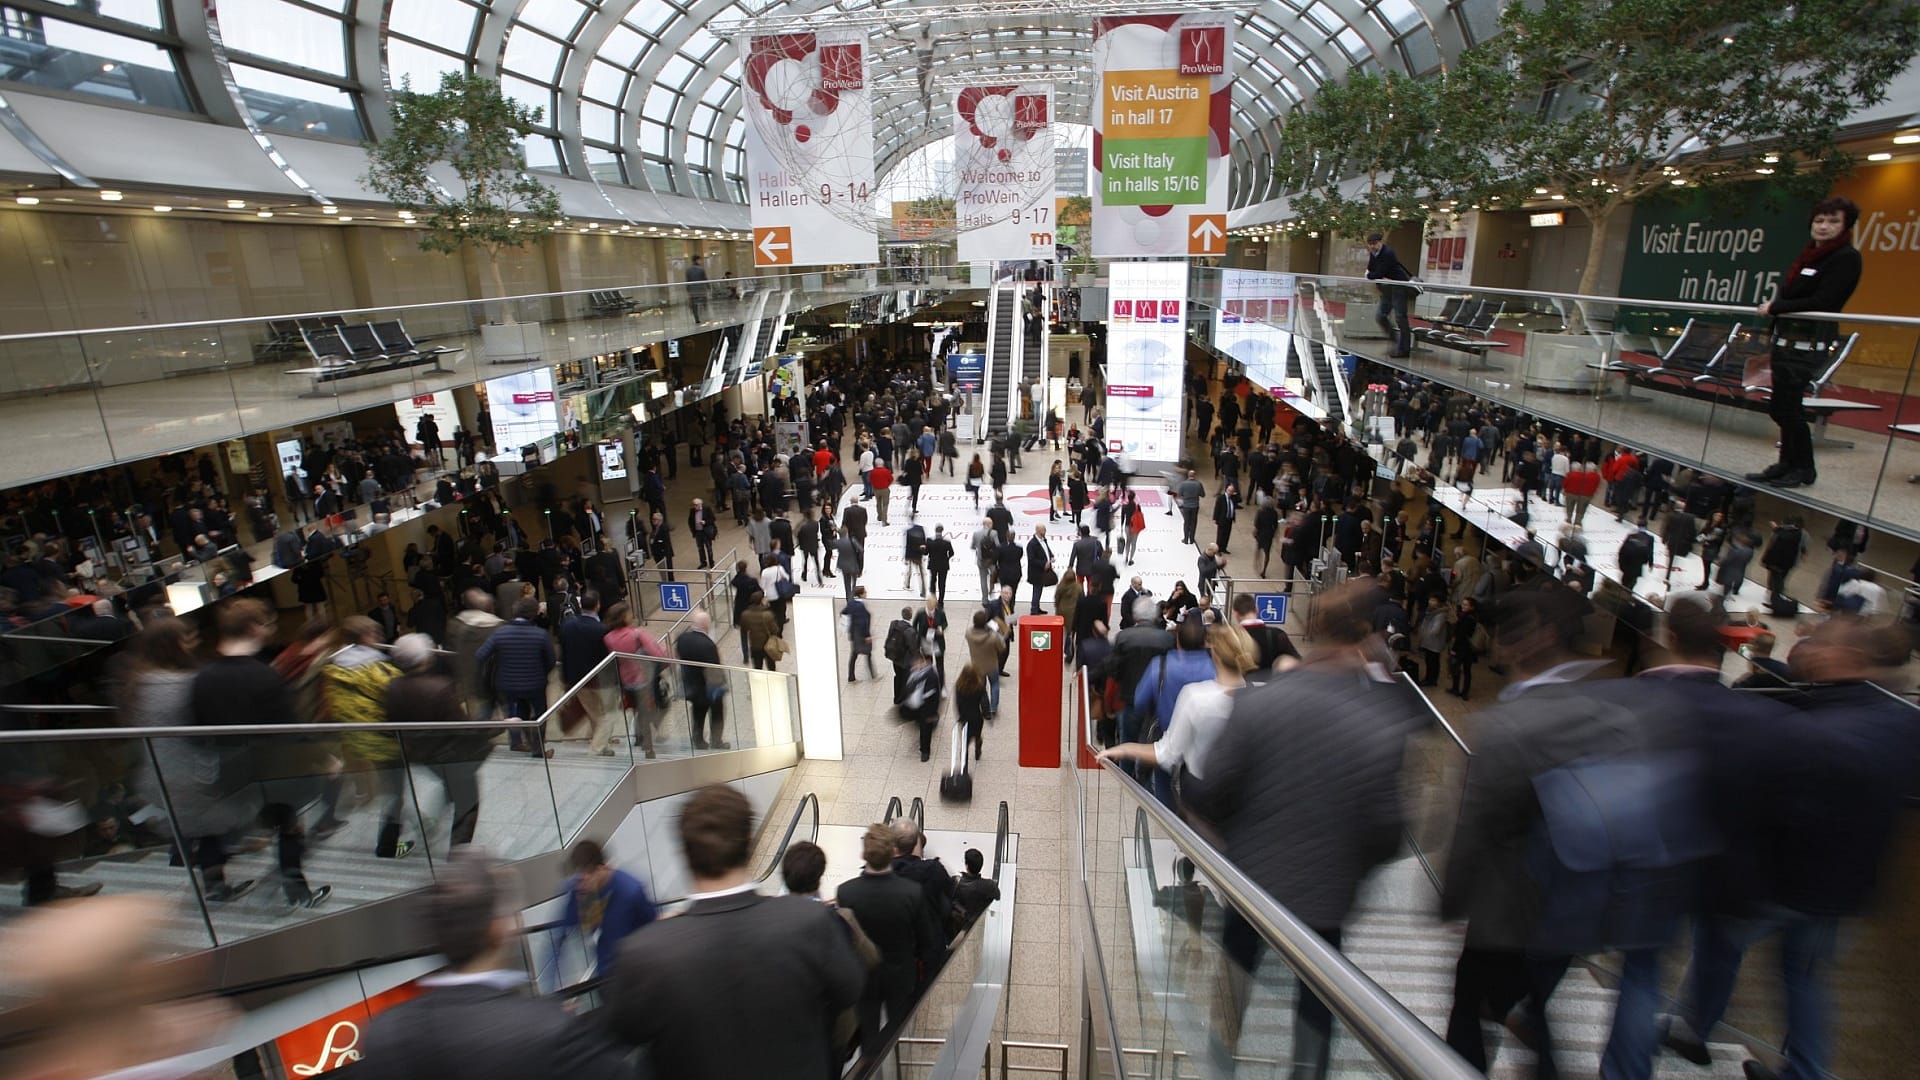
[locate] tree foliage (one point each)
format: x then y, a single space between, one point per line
1379 150
1622 100
472 128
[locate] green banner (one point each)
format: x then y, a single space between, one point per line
1154 172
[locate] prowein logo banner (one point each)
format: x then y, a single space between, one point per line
1203 50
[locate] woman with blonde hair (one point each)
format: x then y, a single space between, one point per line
1199 714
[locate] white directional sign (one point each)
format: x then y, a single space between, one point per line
1003 153
809 144
1162 132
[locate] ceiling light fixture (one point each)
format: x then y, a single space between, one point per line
329 209
111 196
1881 156
163 209
27 200
108 66
264 213
236 204
1905 140
344 220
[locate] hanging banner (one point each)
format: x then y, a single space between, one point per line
809 145
1161 134
1003 152
1146 351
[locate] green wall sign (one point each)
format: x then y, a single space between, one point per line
1696 252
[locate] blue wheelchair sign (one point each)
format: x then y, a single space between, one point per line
675 596
1271 607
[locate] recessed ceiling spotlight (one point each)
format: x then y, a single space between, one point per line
236 204
108 66
163 209
344 220
111 196
264 213
329 209
27 200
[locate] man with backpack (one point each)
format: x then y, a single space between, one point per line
899 649
1547 718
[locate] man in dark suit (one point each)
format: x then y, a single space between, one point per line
894 914
1384 266
476 1019
582 646
683 984
703 702
1039 564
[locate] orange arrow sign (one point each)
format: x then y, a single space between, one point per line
773 246
1206 234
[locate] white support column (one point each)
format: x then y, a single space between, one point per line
816 655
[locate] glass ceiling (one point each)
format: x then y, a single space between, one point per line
643 92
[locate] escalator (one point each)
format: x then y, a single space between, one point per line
1033 349
1003 374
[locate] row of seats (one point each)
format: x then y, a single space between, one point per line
1733 364
1464 324
344 351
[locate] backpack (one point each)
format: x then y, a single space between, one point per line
899 644
1618 851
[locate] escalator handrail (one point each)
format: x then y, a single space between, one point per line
1445 725
918 812
1001 832
1402 1043
894 809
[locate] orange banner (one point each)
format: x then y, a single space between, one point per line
1888 236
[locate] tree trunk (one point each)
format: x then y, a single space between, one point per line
1579 320
499 285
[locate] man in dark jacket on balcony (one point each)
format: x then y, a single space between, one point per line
521 656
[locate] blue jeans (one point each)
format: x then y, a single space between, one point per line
993 690
1636 1038
1808 944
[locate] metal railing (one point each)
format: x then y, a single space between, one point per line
1400 1042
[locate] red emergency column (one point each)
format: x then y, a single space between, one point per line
1042 643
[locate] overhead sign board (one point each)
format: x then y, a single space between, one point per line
1162 134
809 144
1004 157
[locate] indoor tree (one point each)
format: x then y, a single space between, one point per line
1621 100
473 129
1377 151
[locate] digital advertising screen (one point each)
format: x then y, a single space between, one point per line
1146 358
1253 321
524 408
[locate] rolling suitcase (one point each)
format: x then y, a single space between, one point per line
957 784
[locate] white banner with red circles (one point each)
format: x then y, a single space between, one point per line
1004 137
809 148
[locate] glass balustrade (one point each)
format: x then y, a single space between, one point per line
1167 998
238 826
1688 382
83 399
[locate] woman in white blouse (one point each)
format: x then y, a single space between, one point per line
1200 713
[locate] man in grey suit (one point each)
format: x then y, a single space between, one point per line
476 1019
683 984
